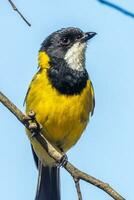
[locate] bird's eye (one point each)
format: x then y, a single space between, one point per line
65 41
79 36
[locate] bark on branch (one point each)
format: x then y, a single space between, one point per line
35 134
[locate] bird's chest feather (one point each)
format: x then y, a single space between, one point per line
63 117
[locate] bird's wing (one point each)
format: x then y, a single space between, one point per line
30 87
93 99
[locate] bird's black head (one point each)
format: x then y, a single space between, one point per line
64 50
60 42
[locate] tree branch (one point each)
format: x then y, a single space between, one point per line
20 14
118 8
77 185
37 137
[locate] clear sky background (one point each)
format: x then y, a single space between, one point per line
106 150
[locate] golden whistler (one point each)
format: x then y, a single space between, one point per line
61 94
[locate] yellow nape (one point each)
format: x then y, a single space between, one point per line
43 60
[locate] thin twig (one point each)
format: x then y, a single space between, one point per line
44 145
77 185
117 7
16 9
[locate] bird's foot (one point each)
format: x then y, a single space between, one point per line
63 161
32 124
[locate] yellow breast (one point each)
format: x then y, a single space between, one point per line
63 117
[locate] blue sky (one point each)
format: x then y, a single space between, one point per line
106 148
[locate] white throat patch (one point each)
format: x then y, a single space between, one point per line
75 56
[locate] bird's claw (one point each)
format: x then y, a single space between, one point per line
63 161
31 114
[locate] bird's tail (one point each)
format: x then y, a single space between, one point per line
48 187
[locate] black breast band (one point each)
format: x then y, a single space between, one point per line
66 80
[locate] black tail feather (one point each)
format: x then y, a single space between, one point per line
48 187
48 183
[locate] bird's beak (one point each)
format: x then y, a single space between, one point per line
87 36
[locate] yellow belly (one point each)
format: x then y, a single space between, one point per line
63 118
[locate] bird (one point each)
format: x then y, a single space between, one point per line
62 96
